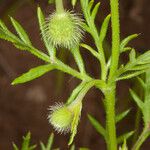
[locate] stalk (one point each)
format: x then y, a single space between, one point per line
141 139
111 93
59 6
110 119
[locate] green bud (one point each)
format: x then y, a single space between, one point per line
64 29
65 118
60 117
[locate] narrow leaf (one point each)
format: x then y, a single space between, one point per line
90 5
97 126
130 75
126 41
141 82
2 25
32 147
104 28
72 147
26 142
50 142
136 99
73 2
42 146
91 50
95 10
51 1
33 74
125 136
21 32
15 147
122 115
132 55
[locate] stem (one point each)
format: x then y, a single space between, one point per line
141 139
59 6
114 4
111 93
110 118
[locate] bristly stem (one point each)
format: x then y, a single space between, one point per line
142 138
59 6
111 93
114 4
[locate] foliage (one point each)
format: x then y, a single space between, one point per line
111 69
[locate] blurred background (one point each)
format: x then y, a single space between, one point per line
24 107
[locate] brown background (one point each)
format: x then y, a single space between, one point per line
23 108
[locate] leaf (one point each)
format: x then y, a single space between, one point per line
3 26
76 92
141 82
130 75
136 99
82 148
41 20
122 115
97 126
90 5
33 74
125 136
21 32
51 1
126 41
15 147
132 55
104 28
49 143
76 117
72 147
91 50
95 10
73 2
26 142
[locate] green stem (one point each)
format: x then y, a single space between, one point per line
59 6
111 93
110 118
114 4
141 139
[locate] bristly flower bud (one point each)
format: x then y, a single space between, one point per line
64 29
62 116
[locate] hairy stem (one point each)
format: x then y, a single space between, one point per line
110 119
111 93
115 37
141 139
59 6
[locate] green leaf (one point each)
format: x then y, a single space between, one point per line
91 50
125 136
95 10
3 26
104 28
136 99
90 5
130 75
41 20
51 1
76 117
132 56
73 2
126 41
122 115
141 82
76 92
49 143
26 141
97 126
82 148
15 147
33 74
21 32
72 147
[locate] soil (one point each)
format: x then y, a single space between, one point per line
24 107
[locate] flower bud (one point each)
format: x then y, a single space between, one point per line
60 117
64 29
